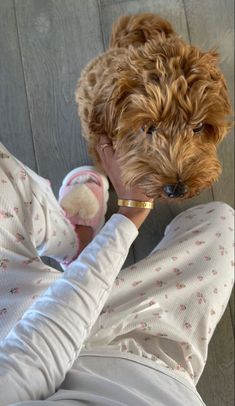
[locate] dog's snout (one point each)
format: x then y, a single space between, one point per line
175 190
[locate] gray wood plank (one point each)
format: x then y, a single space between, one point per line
217 30
57 40
211 24
15 130
231 305
216 385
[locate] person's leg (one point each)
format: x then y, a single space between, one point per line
167 306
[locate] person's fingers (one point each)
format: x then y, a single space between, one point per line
105 150
103 142
104 139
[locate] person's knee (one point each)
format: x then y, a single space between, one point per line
212 217
221 207
216 210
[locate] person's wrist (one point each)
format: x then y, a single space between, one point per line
135 214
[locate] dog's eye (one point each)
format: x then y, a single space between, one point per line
199 128
149 130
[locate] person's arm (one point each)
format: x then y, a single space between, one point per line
42 347
40 350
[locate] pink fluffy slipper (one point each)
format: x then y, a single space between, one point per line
83 196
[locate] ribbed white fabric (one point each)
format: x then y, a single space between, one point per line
157 317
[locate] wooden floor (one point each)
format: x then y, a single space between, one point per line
44 44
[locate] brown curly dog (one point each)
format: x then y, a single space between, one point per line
163 103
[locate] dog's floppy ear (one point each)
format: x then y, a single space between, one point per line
97 122
212 56
103 115
210 60
216 75
108 105
219 94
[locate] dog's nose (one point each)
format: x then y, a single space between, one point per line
177 190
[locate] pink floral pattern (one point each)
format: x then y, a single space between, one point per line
195 282
23 211
194 274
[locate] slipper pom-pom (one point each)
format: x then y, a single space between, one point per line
80 201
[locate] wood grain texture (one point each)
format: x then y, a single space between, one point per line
211 24
231 305
15 129
216 385
44 45
57 40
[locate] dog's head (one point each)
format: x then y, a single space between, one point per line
167 111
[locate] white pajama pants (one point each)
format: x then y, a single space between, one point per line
164 308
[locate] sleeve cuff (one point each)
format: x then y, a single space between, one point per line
119 220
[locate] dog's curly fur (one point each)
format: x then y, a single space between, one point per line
164 103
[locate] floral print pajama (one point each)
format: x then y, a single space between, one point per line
164 308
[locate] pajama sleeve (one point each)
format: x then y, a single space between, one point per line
42 347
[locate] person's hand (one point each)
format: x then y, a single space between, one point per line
110 164
109 160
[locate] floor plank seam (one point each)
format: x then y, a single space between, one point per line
25 86
101 25
187 23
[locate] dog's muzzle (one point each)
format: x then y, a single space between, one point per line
177 190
